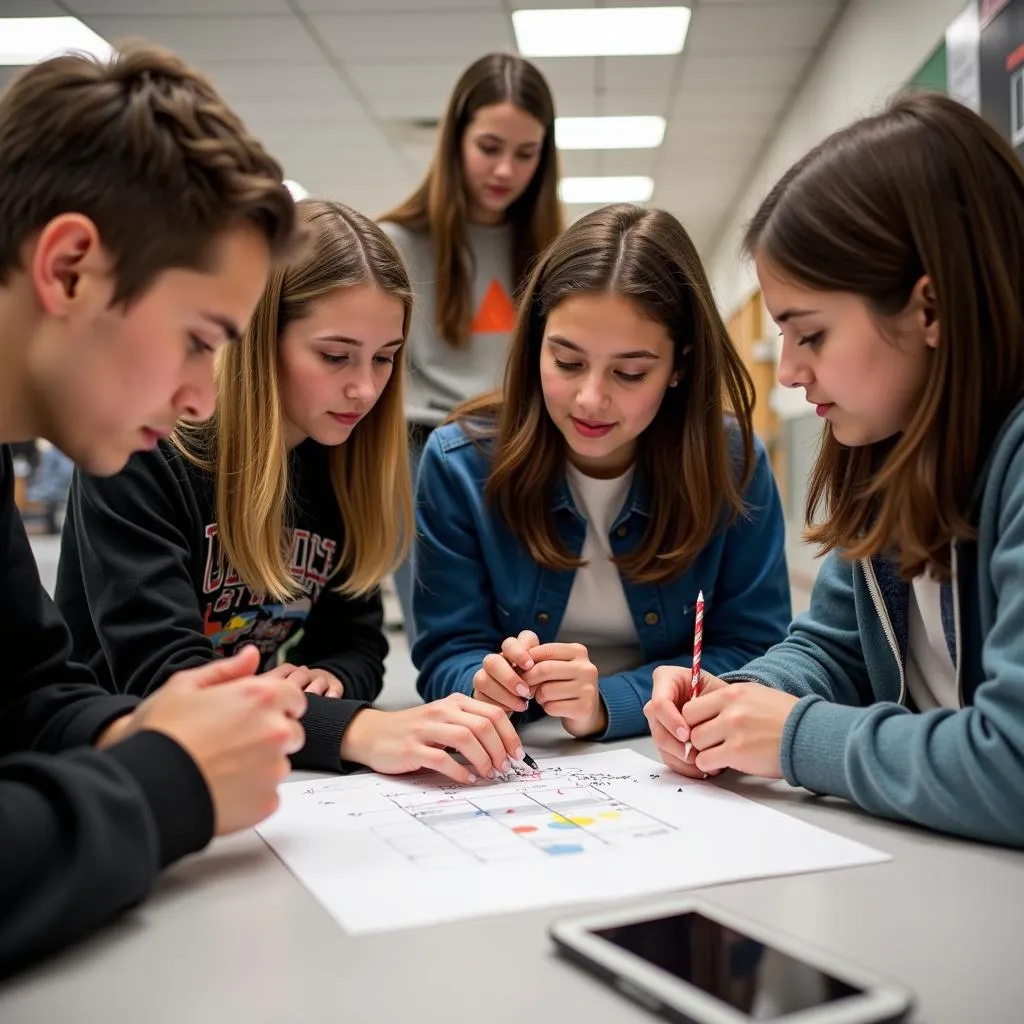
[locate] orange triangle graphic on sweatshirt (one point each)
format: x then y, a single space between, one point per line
496 314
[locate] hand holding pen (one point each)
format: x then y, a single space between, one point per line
673 686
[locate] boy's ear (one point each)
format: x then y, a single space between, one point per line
67 248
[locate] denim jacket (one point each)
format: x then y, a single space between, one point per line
476 584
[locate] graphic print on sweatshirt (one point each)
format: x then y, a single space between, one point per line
234 615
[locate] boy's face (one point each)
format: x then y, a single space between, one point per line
108 381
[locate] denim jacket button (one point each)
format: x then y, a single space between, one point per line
651 618
543 618
622 531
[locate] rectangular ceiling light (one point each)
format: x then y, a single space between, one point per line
28 40
643 132
601 32
626 189
298 191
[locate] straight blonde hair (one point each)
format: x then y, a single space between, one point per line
243 444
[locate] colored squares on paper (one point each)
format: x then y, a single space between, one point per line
560 821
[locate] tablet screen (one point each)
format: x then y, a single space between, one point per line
747 975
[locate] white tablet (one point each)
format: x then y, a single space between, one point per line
690 961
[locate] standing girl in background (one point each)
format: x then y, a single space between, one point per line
892 257
281 514
487 208
565 528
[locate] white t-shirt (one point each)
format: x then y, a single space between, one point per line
597 614
931 674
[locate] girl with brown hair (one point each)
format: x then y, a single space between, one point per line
566 526
487 208
892 258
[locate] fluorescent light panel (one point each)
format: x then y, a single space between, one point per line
642 132
29 40
626 189
297 191
601 32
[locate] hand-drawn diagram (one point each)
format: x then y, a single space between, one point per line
496 827
391 852
557 811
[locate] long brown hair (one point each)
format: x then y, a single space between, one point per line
926 188
694 480
243 444
440 206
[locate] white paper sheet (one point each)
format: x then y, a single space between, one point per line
382 852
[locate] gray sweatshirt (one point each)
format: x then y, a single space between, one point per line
439 375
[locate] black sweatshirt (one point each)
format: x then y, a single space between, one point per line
146 589
82 832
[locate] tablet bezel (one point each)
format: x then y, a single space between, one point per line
881 1000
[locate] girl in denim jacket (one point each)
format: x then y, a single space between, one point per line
565 527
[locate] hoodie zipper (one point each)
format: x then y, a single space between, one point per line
956 625
883 615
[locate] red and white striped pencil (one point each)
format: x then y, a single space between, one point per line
698 640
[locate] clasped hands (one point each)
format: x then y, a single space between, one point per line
560 677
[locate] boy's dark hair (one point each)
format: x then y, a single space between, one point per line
144 147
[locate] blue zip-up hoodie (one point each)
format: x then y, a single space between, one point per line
476 584
851 734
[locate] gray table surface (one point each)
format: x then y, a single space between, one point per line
230 935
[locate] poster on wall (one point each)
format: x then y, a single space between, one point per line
1001 51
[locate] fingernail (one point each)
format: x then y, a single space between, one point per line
520 753
523 691
682 734
491 774
505 766
523 706
472 777
528 663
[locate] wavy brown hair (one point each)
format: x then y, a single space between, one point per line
926 188
145 148
693 472
243 444
440 206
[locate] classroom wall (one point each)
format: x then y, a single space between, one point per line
876 47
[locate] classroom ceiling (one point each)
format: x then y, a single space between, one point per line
334 87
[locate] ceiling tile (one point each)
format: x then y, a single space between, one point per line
758 28
137 8
219 40
405 90
397 6
568 74
366 37
30 9
616 104
625 75
776 71
729 107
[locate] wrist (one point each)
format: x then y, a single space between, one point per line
115 731
357 742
